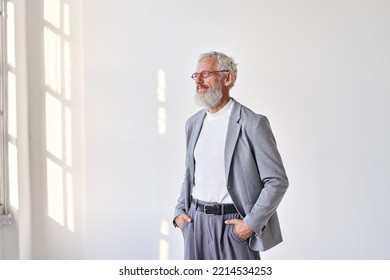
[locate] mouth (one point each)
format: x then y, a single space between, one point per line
202 88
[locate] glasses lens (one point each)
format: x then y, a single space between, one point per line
193 76
205 74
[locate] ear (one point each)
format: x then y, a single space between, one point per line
229 79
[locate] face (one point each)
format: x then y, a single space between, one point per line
209 91
203 85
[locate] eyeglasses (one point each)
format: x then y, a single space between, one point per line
205 73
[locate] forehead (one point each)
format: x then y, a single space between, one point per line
207 63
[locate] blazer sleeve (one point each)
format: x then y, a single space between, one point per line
180 207
272 175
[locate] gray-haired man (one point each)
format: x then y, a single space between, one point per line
234 178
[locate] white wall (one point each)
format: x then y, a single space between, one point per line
318 69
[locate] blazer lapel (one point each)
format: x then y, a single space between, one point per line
233 131
192 143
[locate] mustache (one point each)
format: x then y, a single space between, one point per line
202 86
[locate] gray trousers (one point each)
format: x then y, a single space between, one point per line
207 237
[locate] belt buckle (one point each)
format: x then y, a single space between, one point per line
206 211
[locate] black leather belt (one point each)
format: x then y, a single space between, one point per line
217 209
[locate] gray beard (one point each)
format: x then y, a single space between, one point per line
209 99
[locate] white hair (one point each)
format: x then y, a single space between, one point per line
224 63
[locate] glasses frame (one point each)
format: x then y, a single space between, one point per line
205 73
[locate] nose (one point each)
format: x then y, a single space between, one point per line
199 80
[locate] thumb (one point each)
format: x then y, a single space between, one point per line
187 218
231 222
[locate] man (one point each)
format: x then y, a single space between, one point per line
234 178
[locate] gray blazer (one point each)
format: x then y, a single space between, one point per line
256 179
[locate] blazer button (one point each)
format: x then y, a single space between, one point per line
229 187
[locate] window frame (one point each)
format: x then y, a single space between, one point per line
5 217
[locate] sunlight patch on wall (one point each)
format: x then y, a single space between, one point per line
58 112
55 193
52 60
164 227
164 250
60 190
164 244
161 97
52 12
68 137
162 120
66 19
67 81
161 85
54 126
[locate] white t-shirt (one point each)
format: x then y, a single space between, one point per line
209 153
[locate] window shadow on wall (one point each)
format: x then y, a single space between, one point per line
58 112
56 130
